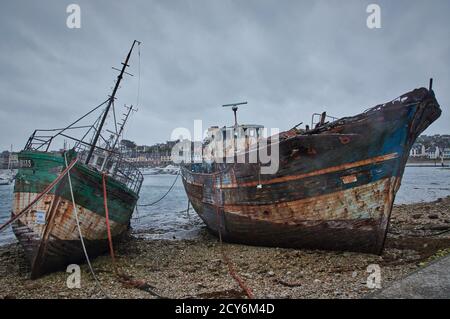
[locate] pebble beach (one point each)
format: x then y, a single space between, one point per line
195 268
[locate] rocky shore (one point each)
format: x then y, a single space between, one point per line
195 268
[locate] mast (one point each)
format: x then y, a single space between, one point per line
234 107
110 102
118 134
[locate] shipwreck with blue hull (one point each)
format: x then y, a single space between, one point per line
335 186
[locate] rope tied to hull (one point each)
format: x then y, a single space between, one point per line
229 263
42 194
108 226
227 260
125 279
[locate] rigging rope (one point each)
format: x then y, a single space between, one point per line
139 75
80 234
167 193
79 119
42 194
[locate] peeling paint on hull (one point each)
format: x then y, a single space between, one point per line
334 189
48 231
347 220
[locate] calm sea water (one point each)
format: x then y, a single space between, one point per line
168 218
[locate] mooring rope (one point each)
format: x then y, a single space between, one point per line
108 226
187 210
425 235
123 278
138 217
229 263
227 260
81 235
42 194
167 193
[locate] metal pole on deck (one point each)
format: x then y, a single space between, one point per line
110 102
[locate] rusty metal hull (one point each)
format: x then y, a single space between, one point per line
48 231
334 189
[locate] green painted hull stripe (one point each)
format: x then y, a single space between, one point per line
87 185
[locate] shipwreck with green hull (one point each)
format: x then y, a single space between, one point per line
50 229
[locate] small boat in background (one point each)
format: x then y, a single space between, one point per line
7 176
168 170
50 230
5 181
335 186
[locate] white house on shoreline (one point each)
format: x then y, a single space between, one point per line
433 152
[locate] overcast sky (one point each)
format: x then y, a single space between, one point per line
288 59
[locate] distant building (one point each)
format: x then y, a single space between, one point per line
418 150
446 153
8 159
143 155
433 152
4 160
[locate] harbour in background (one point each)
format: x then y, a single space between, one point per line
168 218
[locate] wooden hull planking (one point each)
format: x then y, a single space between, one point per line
48 231
334 188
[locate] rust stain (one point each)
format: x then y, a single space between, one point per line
344 139
37 239
312 151
360 202
349 179
327 193
333 169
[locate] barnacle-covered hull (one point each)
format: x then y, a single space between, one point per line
48 231
334 188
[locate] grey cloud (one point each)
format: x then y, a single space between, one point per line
287 58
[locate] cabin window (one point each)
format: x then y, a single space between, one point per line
100 161
109 165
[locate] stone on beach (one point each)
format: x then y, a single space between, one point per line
194 268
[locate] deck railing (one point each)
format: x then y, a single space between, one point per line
106 160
